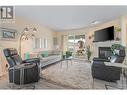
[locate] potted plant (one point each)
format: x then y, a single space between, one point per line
115 47
67 54
89 52
118 30
63 55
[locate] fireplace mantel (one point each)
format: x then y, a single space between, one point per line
109 43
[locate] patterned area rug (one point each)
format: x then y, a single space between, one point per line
75 75
63 75
42 84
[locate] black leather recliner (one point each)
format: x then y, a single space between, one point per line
31 74
107 73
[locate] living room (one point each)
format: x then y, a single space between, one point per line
65 40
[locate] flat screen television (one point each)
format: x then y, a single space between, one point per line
104 34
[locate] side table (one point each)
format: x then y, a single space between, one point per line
120 65
22 68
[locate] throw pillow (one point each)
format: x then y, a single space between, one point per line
45 53
113 59
27 55
42 55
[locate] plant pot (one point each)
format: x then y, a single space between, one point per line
117 39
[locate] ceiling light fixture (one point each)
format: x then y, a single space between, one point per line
95 22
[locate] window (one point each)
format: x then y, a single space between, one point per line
45 43
54 41
73 42
41 43
37 43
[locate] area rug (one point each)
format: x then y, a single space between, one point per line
75 75
41 84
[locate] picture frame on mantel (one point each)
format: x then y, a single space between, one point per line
8 34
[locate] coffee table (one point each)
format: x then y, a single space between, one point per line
67 61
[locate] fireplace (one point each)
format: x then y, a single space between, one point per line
104 52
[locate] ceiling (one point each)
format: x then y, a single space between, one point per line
62 18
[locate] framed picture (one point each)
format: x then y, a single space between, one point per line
8 33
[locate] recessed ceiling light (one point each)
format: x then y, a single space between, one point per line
95 22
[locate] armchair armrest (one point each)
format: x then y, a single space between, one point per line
25 66
100 59
32 60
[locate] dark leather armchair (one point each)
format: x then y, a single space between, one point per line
108 73
31 73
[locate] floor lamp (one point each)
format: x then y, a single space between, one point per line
27 33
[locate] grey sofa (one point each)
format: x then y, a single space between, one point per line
49 57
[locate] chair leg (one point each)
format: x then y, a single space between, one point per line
109 85
61 63
93 84
71 62
67 64
40 74
106 86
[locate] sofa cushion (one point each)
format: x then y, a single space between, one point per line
50 53
44 54
27 55
56 52
46 59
